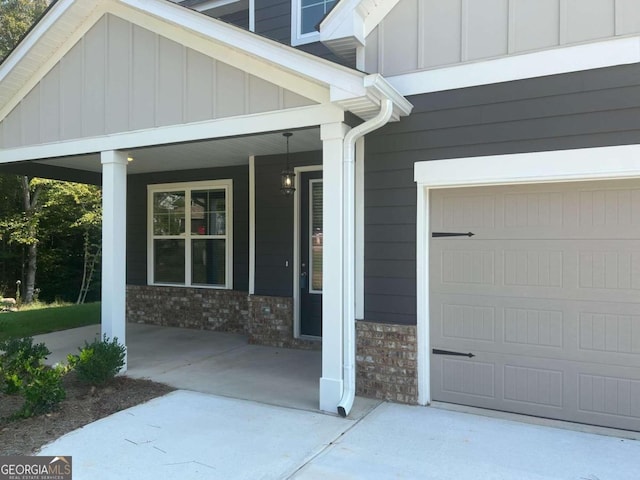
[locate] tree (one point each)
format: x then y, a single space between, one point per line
21 228
16 17
73 211
59 224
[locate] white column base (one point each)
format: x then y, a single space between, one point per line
330 394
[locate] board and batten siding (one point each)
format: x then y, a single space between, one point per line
120 77
434 33
577 110
137 221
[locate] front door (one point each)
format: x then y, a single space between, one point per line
311 254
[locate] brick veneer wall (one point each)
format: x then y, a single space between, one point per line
267 320
201 308
271 323
386 362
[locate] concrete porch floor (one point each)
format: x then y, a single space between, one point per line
212 362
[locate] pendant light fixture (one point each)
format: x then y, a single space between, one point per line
287 177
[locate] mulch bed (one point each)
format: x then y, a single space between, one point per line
83 405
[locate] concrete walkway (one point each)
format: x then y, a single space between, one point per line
194 436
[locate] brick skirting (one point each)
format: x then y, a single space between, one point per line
271 323
267 320
201 308
386 362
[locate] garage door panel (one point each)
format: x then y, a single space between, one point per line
607 395
545 387
545 295
609 333
564 269
468 378
577 210
538 386
524 326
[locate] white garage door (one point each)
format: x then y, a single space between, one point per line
545 295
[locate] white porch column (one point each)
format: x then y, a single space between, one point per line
331 383
114 219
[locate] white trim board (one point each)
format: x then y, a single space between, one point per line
607 53
252 225
220 127
602 163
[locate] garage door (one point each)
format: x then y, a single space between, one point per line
545 296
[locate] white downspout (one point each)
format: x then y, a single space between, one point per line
349 317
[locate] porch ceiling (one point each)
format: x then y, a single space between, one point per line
201 154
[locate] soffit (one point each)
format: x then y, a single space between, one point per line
205 154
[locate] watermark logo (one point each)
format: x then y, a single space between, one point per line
35 468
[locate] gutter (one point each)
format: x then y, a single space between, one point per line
348 317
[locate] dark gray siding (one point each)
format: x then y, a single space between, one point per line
273 20
137 219
274 224
584 109
240 19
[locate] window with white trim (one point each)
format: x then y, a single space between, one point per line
305 16
190 234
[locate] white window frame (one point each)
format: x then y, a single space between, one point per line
298 38
188 187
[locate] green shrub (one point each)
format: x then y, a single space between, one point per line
98 361
43 391
22 372
19 359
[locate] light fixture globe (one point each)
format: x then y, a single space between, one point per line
287 176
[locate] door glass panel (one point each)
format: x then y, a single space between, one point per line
208 212
208 261
315 247
168 261
168 213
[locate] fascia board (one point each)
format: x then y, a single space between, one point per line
292 118
354 18
381 88
8 103
38 31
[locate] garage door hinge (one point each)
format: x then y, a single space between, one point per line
451 234
448 352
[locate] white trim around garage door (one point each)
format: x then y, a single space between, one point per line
602 163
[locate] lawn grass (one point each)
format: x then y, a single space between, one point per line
34 322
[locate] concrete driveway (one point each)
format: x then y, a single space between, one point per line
190 435
248 412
